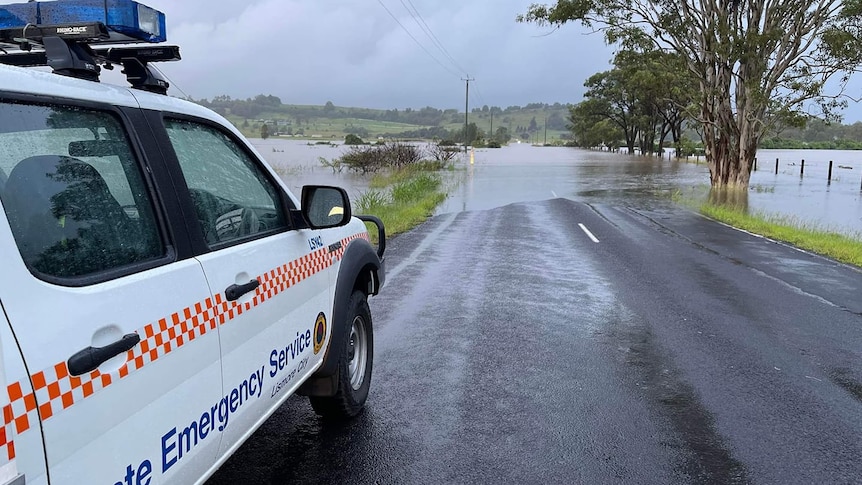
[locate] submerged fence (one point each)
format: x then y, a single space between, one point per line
671 154
829 175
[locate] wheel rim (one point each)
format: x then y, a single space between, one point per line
357 352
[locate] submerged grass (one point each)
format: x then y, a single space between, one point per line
844 248
384 180
406 200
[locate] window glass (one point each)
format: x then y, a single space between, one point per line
73 192
232 196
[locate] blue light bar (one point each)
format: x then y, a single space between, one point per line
130 20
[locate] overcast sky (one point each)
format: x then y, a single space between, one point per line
353 53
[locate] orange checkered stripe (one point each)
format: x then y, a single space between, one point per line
56 390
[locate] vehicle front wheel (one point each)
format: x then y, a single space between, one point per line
354 364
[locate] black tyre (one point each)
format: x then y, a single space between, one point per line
354 364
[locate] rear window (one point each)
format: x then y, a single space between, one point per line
73 192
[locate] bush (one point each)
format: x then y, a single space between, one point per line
441 152
388 155
352 139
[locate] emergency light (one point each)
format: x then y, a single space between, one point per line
127 21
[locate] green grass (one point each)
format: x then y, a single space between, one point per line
383 180
407 201
840 247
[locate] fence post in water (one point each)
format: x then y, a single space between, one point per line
755 164
776 166
802 171
829 180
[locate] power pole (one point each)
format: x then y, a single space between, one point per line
491 134
466 109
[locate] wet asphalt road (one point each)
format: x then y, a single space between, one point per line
511 348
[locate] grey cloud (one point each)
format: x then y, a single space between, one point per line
353 53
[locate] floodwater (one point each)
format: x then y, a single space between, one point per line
520 172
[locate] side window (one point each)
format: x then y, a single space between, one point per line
73 191
232 196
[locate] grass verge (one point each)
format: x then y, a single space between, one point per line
847 249
402 200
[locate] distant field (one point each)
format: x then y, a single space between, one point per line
329 128
312 124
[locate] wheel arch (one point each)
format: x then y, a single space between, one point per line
361 269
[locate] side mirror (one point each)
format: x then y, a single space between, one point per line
324 207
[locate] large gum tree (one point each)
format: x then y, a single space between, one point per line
758 63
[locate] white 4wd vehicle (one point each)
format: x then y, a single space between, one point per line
162 291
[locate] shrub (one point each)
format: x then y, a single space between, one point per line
388 155
441 153
352 139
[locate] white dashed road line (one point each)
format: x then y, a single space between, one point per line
588 233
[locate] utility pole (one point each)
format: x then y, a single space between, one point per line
491 134
466 109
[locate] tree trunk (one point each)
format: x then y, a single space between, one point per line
730 138
630 141
730 151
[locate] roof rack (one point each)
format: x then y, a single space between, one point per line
81 48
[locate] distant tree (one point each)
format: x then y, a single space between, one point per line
608 99
472 133
245 123
268 100
591 127
502 135
352 139
533 125
758 63
264 131
329 107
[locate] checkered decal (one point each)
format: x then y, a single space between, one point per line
55 389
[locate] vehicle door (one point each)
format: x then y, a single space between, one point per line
269 281
113 317
22 452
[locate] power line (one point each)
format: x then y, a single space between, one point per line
420 21
415 40
479 95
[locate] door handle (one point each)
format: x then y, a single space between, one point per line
234 292
91 358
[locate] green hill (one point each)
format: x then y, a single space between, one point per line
330 122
